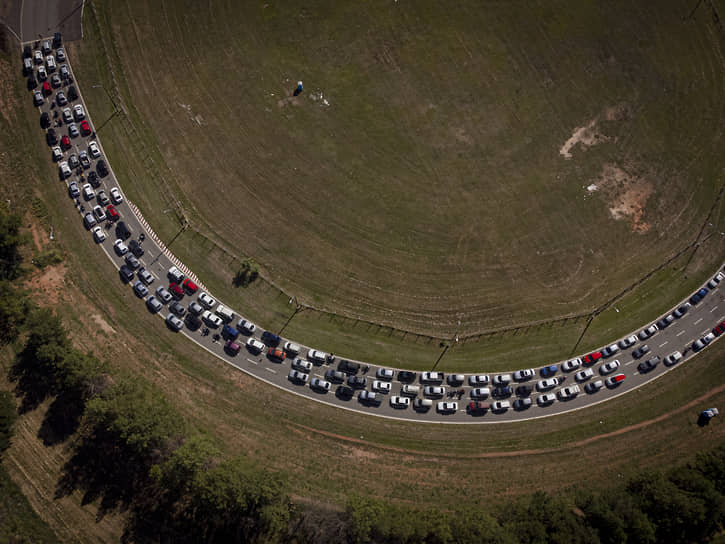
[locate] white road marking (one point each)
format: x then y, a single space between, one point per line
680 333
715 308
253 362
629 363
273 371
663 343
696 322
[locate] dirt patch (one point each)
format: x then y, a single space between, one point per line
103 324
628 195
591 133
49 284
8 104
40 237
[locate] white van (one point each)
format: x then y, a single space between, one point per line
410 390
225 313
175 274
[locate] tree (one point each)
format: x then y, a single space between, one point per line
14 307
7 418
247 273
10 241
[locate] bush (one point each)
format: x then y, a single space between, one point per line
248 272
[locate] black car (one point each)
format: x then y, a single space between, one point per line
640 351
524 390
357 382
27 52
522 404
135 248
348 367
123 231
51 138
57 40
72 93
271 339
648 365
406 376
101 168
502 392
94 180
32 83
177 308
126 273
665 322
344 392
44 120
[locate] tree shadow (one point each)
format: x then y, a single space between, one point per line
61 420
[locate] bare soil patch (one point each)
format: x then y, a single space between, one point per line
627 194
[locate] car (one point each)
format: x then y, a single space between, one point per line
101 168
112 214
502 379
195 308
50 64
648 365
548 383
502 392
384 374
647 332
132 261
42 73
524 390
32 83
431 377
145 276
479 379
713 283
163 295
64 170
569 392
93 151
672 358
316 356
357 382
344 392
73 130
500 406
246 326
332 375
591 358
719 329
369 397
478 407
153 304
610 350
522 404
93 179
549 371
73 190
697 297
434 391
67 115
523 375
409 390
608 368
65 144
177 309
291 348
78 112
85 128
45 46
38 57
276 354
399 402
231 347
348 367
228 331
270 338
571 364
99 213
682 310
73 161
640 351
38 99
206 300
61 99
55 82
98 235
665 321
628 342
135 247
51 138
546 399
447 407
189 286
27 65
593 387
406 376
297 376
422 405
253 344
211 319
120 248
64 71
101 197
44 120
305 366
455 380
614 381
89 221
381 386
175 275
480 393
72 93
116 197
320 385
140 289
701 343
126 273
176 290
584 375
84 160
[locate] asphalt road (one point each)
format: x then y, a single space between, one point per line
33 19
678 336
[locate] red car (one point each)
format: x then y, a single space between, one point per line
614 381
176 290
276 354
112 213
65 143
190 287
717 331
85 128
47 91
592 358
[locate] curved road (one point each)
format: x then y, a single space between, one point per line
678 336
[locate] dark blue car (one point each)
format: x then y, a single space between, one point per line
271 339
697 297
229 332
549 371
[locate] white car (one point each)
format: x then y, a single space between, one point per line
584 375
145 276
60 54
522 375
545 399
593 387
119 247
479 379
211 319
610 350
42 74
116 197
320 384
381 386
502 379
301 364
712 284
571 364
73 190
548 383
37 57
93 150
50 63
434 391
73 130
206 300
646 333
431 377
64 170
628 342
399 402
297 376
608 368
98 235
254 345
246 326
480 392
57 154
500 406
78 112
368 397
67 116
569 392
99 213
447 407
385 374
672 358
317 356
292 348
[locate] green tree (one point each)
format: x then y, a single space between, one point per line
247 273
14 306
7 419
365 513
10 241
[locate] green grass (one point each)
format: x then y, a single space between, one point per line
18 521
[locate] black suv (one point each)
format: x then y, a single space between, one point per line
101 168
344 392
524 390
51 138
135 248
648 365
348 367
93 179
406 376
